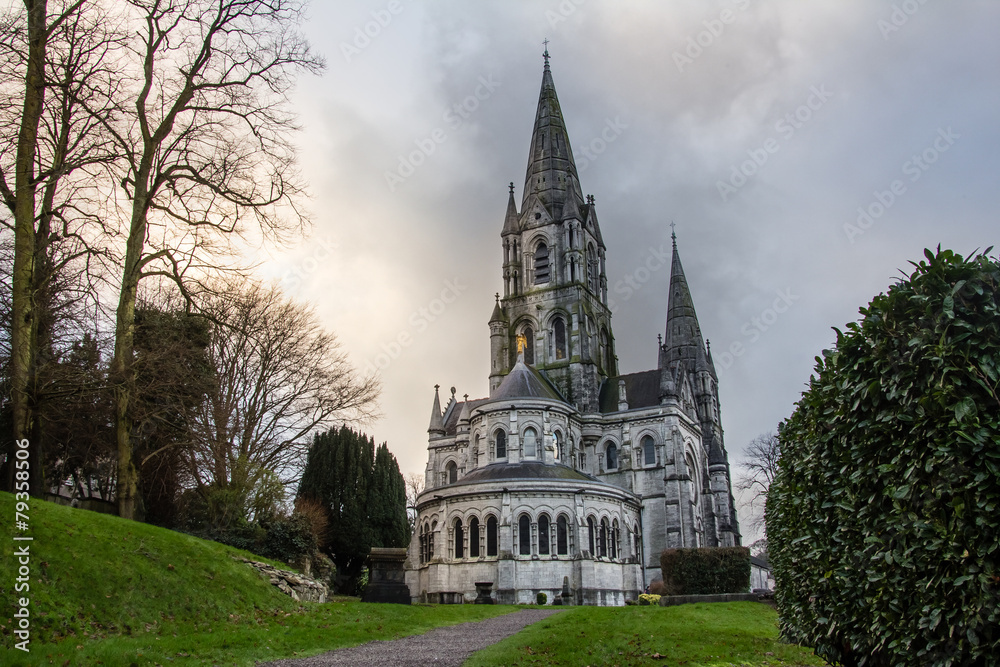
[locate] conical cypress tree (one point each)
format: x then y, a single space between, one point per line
387 502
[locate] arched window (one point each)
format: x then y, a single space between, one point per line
562 536
529 347
592 267
476 453
648 450
541 264
693 484
543 534
501 438
614 540
602 540
423 543
611 456
473 537
459 539
559 335
491 536
530 443
430 540
559 454
524 535
635 541
452 472
606 351
591 528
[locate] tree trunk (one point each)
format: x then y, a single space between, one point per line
24 321
122 372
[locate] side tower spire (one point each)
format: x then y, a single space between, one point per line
436 426
684 354
683 341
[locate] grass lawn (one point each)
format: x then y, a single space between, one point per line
696 635
105 591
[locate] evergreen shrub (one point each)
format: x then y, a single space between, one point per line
288 538
541 598
884 515
705 571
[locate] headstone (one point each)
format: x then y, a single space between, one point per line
386 577
483 589
565 591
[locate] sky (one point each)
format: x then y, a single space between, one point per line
806 152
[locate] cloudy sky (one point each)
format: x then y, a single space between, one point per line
805 151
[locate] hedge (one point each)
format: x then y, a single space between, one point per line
882 520
706 571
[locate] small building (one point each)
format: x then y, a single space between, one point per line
761 578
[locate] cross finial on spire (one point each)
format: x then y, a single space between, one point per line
497 295
545 54
673 232
511 186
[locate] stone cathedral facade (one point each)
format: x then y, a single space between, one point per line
570 477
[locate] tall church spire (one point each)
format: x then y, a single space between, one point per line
683 340
551 173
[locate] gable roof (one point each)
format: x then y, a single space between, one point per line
642 390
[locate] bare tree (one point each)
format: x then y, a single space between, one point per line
49 65
759 466
206 154
279 377
414 487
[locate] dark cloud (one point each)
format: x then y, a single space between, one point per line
886 95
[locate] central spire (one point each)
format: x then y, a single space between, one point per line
551 173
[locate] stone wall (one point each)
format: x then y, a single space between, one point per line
293 584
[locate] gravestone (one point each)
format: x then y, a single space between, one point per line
386 580
483 589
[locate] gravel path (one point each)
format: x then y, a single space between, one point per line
445 647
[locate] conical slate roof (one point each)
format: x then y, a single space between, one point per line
523 381
498 313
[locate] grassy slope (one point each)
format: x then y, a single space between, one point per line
694 635
115 592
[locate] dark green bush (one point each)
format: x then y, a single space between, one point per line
541 598
288 538
705 571
884 516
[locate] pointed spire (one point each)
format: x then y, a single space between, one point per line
498 314
595 226
551 173
437 420
510 223
683 339
465 415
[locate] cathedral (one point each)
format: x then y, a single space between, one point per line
570 478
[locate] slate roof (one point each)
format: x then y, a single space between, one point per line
641 389
525 381
451 426
526 470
